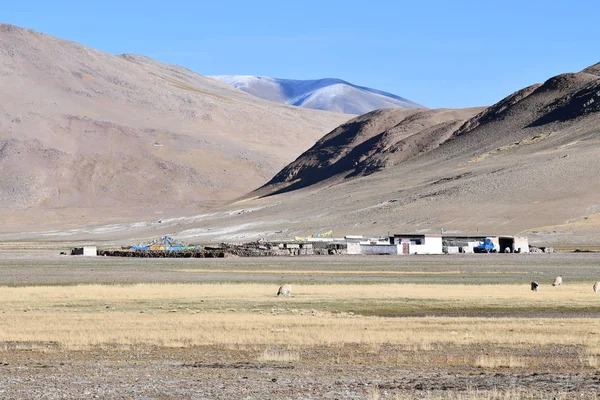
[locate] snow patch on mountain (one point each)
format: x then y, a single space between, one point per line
322 94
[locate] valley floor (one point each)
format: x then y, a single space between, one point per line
423 327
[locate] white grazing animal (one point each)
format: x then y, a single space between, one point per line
285 290
597 287
557 281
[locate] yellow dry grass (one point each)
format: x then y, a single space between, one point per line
523 142
84 330
593 361
181 315
246 200
589 221
41 297
336 272
569 144
279 355
477 394
493 361
594 349
187 86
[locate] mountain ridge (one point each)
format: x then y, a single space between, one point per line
561 98
370 143
330 94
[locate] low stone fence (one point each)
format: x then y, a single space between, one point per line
254 249
278 249
202 253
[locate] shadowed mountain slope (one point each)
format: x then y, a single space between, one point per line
370 143
82 129
322 94
387 138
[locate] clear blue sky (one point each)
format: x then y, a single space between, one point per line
438 53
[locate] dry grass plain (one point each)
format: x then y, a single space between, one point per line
205 329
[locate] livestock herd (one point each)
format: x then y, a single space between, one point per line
286 290
558 281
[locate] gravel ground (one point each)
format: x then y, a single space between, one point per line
212 373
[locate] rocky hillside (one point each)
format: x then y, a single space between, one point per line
82 129
369 143
321 94
385 139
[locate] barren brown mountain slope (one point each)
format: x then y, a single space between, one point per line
528 164
383 139
85 133
370 143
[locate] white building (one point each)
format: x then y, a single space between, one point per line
90 251
417 244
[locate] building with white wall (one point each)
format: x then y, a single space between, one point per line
417 244
89 251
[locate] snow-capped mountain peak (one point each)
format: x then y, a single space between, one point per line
329 94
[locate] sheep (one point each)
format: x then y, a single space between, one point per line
597 287
534 286
557 281
285 290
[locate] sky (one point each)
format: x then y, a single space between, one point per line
438 53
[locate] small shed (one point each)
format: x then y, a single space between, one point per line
88 251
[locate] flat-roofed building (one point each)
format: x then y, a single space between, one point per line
417 244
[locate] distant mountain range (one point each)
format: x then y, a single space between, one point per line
322 94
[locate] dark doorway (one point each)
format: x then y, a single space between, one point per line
506 243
